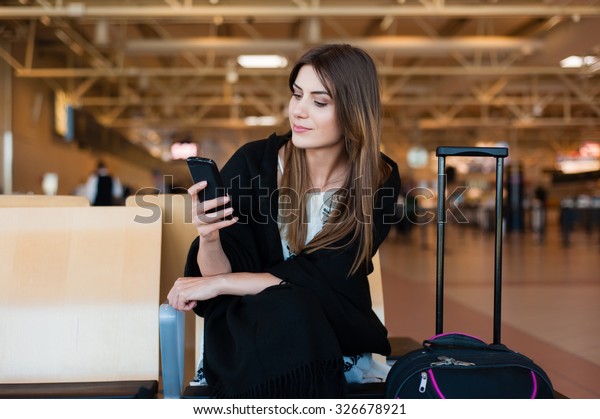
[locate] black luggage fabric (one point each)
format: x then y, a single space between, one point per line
457 365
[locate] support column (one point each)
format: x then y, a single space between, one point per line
6 138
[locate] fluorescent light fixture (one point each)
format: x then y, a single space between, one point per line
182 150
260 121
575 61
262 61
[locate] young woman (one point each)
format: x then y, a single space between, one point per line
283 284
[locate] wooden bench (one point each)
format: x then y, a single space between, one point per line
78 303
178 233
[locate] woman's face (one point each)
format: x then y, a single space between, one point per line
312 113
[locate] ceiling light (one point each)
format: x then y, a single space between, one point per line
183 150
101 33
575 61
260 121
76 9
262 61
231 76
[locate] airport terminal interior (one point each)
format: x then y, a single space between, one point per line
142 85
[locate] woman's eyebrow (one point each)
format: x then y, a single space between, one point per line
316 92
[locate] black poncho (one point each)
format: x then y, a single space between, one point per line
288 340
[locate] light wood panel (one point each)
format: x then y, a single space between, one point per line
11 201
177 232
78 297
177 235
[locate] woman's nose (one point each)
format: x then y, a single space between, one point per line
299 108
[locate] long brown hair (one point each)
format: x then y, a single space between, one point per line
350 77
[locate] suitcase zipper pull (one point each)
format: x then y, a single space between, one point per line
423 384
444 360
463 363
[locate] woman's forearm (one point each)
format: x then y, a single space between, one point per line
187 291
211 258
246 283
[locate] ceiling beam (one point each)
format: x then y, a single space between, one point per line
221 44
423 123
81 10
400 101
472 70
413 45
534 123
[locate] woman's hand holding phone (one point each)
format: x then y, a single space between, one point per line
211 211
207 221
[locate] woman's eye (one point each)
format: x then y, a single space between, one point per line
320 104
297 95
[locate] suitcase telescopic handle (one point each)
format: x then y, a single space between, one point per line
499 153
496 152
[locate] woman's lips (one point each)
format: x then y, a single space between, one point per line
299 128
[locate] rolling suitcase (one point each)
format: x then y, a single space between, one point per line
457 365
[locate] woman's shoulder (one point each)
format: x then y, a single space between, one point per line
256 156
393 177
260 147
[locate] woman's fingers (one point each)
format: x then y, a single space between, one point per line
213 217
208 229
209 216
208 207
187 291
177 295
205 210
197 187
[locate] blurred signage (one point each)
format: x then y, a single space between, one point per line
585 159
417 157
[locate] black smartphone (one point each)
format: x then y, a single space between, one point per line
202 168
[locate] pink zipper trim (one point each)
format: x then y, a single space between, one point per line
435 384
535 386
437 389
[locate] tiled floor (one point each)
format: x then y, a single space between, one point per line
550 305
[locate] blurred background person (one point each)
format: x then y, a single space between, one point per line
102 188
